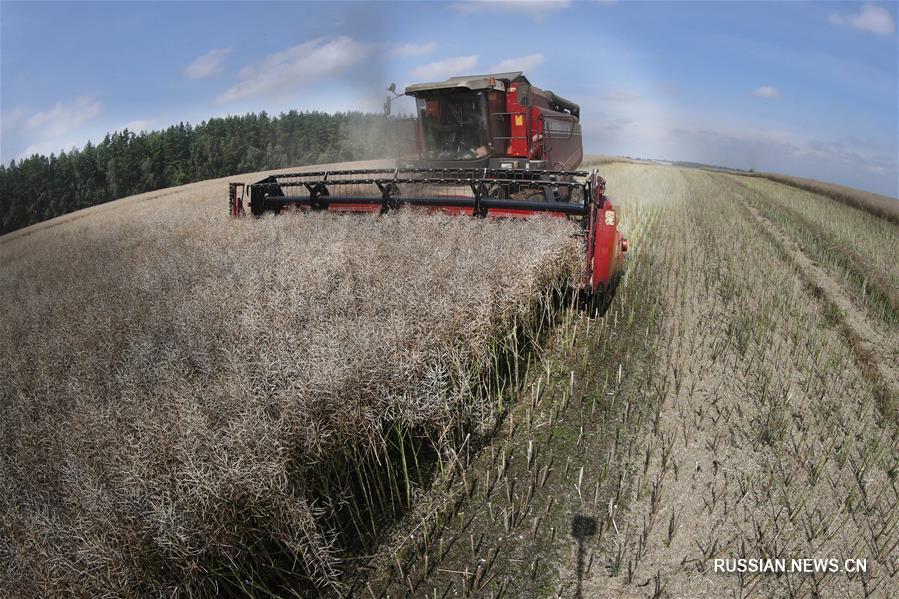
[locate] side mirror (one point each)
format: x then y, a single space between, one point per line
392 89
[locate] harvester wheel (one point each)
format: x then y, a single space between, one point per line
532 195
496 191
598 303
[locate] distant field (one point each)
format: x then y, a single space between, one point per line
878 205
395 407
857 248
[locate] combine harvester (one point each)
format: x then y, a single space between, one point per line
488 146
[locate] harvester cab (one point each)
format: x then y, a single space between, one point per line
488 146
498 121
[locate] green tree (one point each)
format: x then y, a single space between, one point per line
126 163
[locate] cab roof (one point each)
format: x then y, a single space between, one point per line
489 81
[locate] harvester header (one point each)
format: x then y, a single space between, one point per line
488 146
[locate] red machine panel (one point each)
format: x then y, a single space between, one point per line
605 245
518 117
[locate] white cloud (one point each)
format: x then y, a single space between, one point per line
208 64
449 67
404 50
536 10
784 151
871 18
64 117
46 148
296 67
733 140
46 131
766 91
522 63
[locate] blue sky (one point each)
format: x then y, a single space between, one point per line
801 88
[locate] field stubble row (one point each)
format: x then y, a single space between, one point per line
716 411
771 441
561 464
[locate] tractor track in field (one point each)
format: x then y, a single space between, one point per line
863 336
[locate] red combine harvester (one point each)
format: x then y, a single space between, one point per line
488 146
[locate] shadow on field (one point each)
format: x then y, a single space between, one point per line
507 377
364 495
581 528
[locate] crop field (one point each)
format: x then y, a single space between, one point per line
729 405
408 406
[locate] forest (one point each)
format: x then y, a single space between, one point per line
126 162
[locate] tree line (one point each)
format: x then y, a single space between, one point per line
126 163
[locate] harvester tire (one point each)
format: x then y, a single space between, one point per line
597 304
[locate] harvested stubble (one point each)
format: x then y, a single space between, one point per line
879 205
173 384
